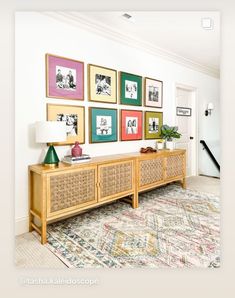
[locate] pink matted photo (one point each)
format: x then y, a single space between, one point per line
131 125
64 77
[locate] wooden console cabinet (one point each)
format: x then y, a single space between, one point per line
69 189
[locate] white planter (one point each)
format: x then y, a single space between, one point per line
160 146
170 145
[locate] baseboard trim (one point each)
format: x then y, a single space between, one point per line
209 176
21 225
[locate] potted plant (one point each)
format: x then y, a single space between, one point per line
169 133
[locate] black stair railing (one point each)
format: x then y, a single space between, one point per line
210 154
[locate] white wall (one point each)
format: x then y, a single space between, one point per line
35 35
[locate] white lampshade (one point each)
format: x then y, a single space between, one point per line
210 106
50 131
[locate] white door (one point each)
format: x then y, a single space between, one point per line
187 127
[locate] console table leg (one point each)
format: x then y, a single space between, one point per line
30 179
44 233
183 183
30 222
135 201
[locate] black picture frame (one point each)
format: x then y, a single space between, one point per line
187 112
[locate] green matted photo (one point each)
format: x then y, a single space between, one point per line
153 123
130 89
102 125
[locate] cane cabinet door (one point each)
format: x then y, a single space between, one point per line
175 166
151 172
115 179
71 190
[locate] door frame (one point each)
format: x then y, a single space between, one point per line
194 121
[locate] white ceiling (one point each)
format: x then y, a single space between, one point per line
173 34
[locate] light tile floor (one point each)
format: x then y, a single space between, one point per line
29 253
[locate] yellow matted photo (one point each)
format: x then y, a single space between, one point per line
102 84
75 121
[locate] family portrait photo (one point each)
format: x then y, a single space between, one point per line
103 84
153 93
131 89
153 125
73 116
71 123
131 125
65 78
103 125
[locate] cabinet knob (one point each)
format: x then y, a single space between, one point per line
191 138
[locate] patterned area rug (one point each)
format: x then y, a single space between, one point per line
172 227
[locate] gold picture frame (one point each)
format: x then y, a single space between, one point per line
153 122
64 77
111 126
102 84
153 93
75 121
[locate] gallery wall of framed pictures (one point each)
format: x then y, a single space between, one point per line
65 80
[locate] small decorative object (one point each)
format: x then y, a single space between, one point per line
153 124
131 125
160 144
147 150
76 150
102 84
64 78
130 89
182 111
153 93
74 117
169 133
103 125
50 132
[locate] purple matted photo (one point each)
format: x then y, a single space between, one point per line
64 77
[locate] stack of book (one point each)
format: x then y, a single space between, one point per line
78 159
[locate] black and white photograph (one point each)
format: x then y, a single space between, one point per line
71 123
183 111
65 78
153 125
131 89
103 125
103 84
131 125
153 93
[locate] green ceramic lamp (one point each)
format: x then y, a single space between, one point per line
50 132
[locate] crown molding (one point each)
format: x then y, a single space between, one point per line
81 21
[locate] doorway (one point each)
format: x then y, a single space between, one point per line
186 120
